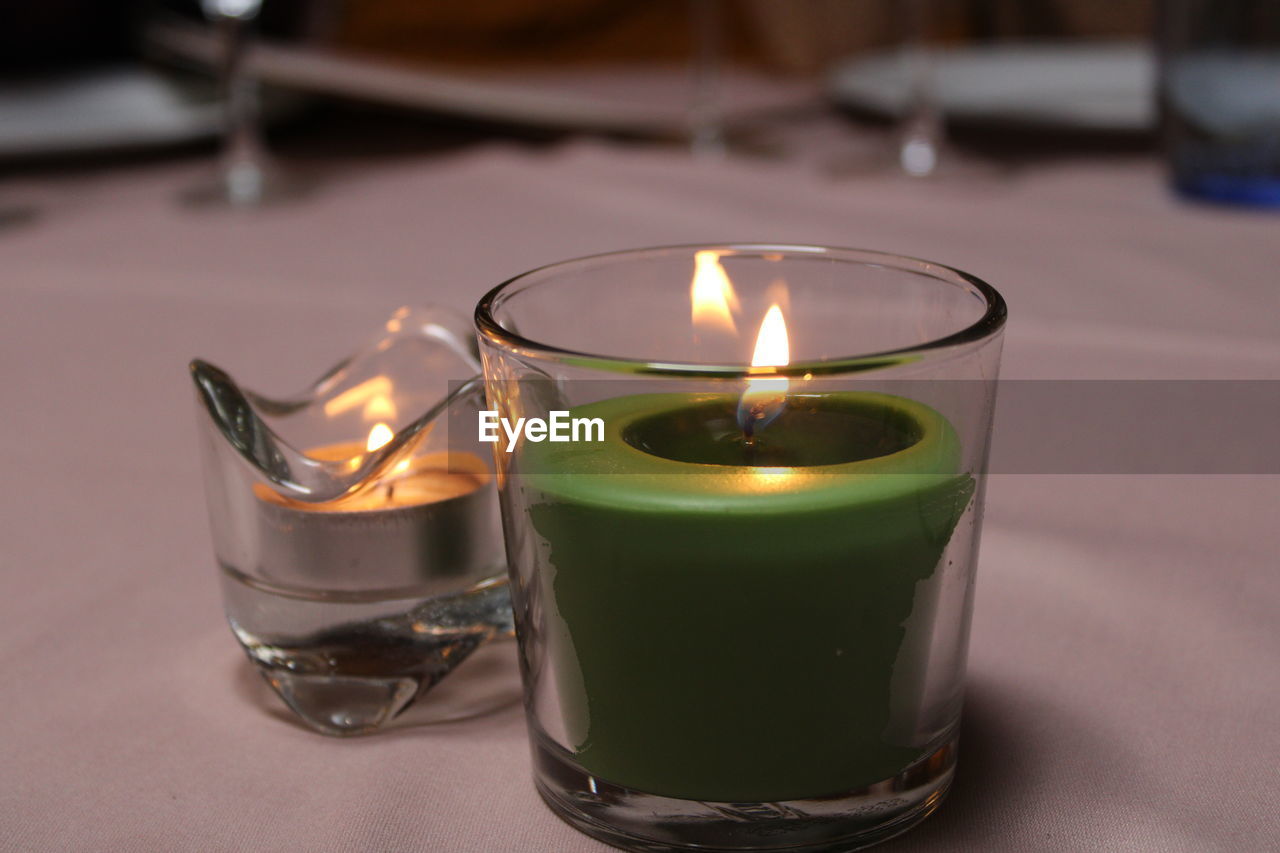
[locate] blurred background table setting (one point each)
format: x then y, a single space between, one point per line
262 183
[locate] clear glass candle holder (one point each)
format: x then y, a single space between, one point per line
357 537
742 514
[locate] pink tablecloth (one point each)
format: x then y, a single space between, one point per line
1124 661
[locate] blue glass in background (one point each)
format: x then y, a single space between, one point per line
1219 95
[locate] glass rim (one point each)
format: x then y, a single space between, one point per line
984 328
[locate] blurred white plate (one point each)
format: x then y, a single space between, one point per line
1098 87
1227 92
102 109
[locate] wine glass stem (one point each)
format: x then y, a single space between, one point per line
242 144
921 135
706 124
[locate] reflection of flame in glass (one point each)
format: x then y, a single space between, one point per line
766 396
765 479
711 293
380 408
394 325
378 436
359 395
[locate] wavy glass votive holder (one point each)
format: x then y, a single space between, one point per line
742 589
357 538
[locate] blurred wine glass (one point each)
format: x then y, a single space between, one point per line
710 133
246 176
706 119
921 133
919 147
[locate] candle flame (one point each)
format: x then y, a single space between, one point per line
711 294
378 436
773 349
766 396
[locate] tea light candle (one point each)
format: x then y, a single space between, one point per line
727 619
427 518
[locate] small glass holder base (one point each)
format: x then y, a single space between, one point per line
634 820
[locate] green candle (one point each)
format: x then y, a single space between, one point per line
727 621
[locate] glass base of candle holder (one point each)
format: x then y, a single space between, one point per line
634 820
349 666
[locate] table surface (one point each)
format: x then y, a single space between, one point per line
1123 671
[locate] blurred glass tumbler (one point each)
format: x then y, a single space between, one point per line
1220 98
743 608
358 543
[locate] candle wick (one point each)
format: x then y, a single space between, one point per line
749 437
391 490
